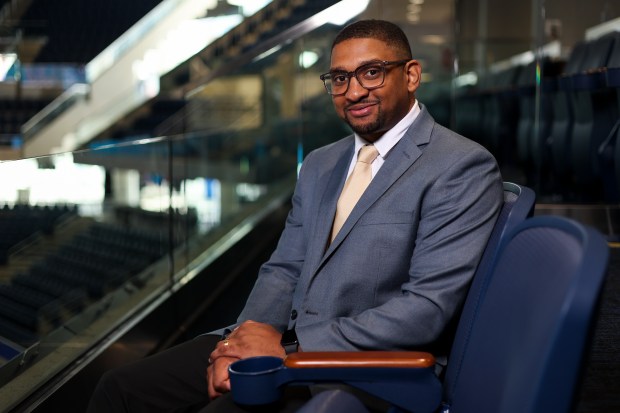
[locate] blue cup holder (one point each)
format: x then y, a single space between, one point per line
255 380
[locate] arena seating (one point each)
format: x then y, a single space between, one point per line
609 151
573 151
584 113
532 145
489 112
22 221
467 112
501 112
81 271
595 111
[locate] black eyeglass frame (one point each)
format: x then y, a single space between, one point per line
383 63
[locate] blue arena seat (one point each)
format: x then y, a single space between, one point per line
609 151
468 112
504 114
595 112
563 114
532 144
491 112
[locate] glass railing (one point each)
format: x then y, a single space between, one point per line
128 223
91 238
77 92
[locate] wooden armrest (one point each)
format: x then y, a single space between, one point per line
390 359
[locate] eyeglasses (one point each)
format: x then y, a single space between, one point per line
370 76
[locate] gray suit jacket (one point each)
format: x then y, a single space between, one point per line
399 269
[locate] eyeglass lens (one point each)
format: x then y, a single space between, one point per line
369 76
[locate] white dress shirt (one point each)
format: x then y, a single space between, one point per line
385 144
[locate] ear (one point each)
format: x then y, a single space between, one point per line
414 74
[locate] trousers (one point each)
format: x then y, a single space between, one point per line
175 381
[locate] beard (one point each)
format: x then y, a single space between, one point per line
368 127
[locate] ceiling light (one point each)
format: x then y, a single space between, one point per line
307 58
342 12
413 17
249 7
414 8
433 39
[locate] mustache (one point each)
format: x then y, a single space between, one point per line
362 103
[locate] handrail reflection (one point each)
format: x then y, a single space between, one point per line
75 93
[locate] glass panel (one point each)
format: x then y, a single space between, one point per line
79 256
516 93
96 235
429 27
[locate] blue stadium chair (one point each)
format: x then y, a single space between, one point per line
595 112
609 151
494 108
533 144
525 129
483 104
563 113
519 202
503 116
468 112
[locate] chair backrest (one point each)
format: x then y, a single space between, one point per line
525 347
597 52
576 58
518 205
614 56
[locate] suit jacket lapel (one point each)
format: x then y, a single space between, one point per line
402 156
326 207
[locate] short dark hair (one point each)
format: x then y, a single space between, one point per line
387 32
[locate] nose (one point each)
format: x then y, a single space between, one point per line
355 91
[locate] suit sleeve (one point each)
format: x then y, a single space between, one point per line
272 295
458 212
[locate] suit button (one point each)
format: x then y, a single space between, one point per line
293 314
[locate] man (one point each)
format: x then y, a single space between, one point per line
389 276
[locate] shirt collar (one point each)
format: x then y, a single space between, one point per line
391 137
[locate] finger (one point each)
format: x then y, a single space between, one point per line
213 394
242 328
233 332
221 382
226 348
222 346
221 350
222 387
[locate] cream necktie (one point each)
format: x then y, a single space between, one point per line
354 187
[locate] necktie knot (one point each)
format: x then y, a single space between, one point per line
367 154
